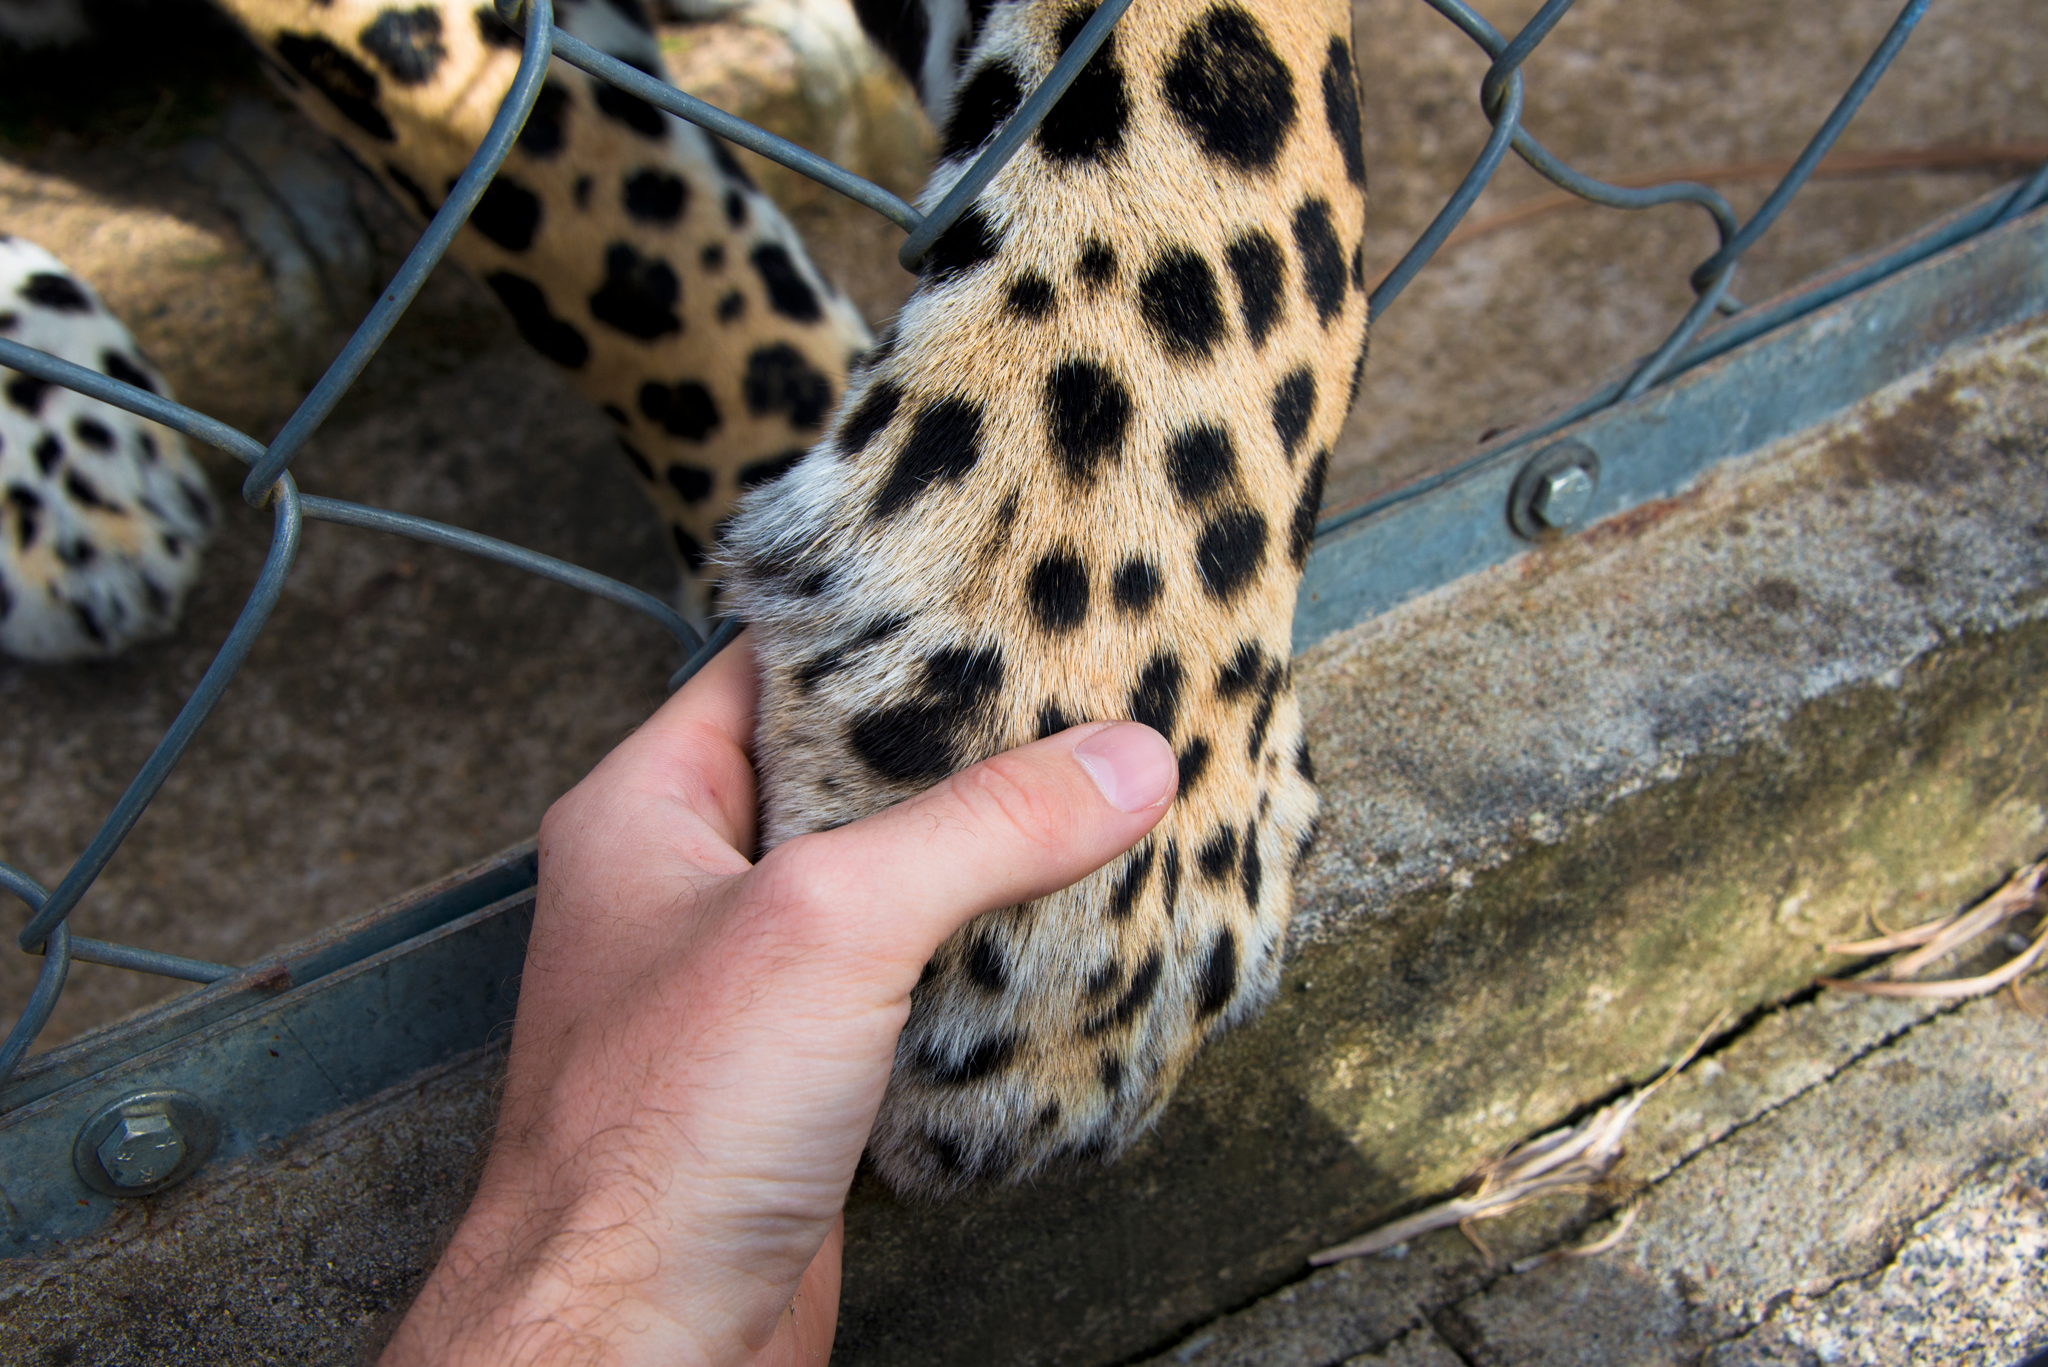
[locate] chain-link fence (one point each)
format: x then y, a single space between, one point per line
270 483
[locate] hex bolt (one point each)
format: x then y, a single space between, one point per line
1554 490
1562 497
144 1142
142 1150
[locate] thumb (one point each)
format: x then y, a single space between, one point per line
1016 826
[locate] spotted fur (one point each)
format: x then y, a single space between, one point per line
631 248
1080 483
102 513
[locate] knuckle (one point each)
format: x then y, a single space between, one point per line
1004 794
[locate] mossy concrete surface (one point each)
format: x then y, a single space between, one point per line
1575 807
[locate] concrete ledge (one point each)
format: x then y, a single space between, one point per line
1576 805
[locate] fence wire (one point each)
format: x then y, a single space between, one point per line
269 481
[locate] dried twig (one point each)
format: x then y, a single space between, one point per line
1934 939
1574 1159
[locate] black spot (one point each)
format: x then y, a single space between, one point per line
971 241
1294 404
1112 1073
687 547
1177 298
407 43
731 306
641 464
1103 980
26 393
1058 588
1137 584
1088 122
1322 258
348 85
1050 1116
1251 873
1340 104
639 294
789 294
1303 765
1262 717
1137 869
899 29
1193 760
1230 550
53 291
77 554
1219 975
1218 855
684 409
1097 266
1136 997
944 444
1169 891
1155 700
9 321
1358 372
835 659
148 445
1090 409
28 507
1230 90
1200 460
118 366
552 337
495 32
713 256
814 583
196 502
728 162
963 675
508 213
690 482
990 96
946 1151
89 623
780 380
630 110
1358 265
877 406
1052 721
989 1056
735 208
1261 272
542 137
918 742
1242 674
654 196
49 453
1031 295
985 966
756 473
6 599
94 434
421 201
1301 536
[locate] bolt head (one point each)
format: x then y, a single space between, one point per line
1564 497
142 1150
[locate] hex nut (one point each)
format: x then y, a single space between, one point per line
142 1150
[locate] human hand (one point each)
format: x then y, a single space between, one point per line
702 1043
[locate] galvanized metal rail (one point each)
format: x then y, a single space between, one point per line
246 1059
